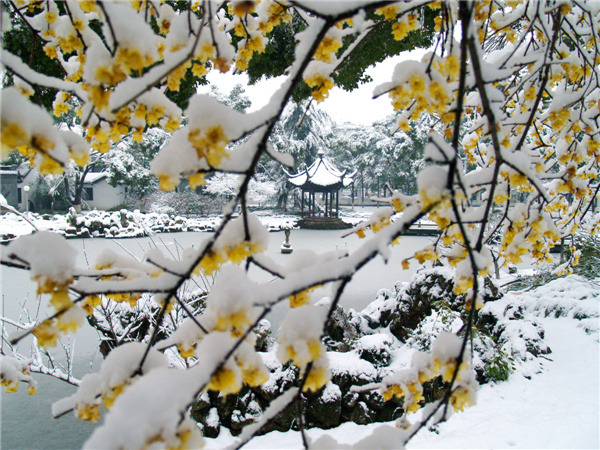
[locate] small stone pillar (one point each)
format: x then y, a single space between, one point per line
286 247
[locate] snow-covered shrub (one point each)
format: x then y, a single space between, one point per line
185 203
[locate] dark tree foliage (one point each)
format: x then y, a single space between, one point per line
21 41
379 45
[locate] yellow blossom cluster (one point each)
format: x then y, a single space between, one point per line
246 51
246 367
36 147
87 411
318 376
209 144
389 12
377 221
426 254
305 352
411 386
60 105
111 395
91 302
327 49
215 257
125 297
321 86
186 436
277 13
405 25
302 297
13 371
419 94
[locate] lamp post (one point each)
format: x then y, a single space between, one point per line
26 190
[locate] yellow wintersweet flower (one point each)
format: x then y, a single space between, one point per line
210 144
46 334
69 326
323 85
210 263
318 377
225 381
174 78
138 134
381 223
417 84
238 253
391 391
401 98
132 60
360 233
97 95
110 75
461 399
81 158
199 70
154 115
186 352
427 254
11 386
463 285
172 124
327 48
236 322
141 111
168 183
388 12
60 300
31 389
109 397
196 180
207 51
87 5
88 412
50 167
50 17
300 298
400 30
447 370
405 264
60 109
91 302
452 67
12 136
50 51
397 204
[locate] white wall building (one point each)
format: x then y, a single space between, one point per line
98 194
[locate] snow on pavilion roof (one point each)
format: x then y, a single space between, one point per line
321 173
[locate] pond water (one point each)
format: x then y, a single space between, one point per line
26 421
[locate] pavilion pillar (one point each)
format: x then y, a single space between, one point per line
337 203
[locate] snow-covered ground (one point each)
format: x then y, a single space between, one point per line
13 225
555 408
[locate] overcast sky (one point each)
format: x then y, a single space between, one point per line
356 107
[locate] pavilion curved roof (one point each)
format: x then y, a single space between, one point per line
321 173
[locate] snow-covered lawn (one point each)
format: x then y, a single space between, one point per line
558 407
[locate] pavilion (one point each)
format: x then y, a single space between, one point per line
324 178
